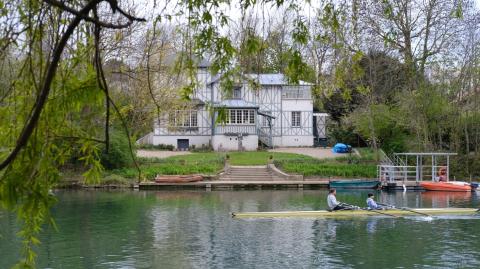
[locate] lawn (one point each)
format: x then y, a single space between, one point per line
328 168
348 166
210 163
261 157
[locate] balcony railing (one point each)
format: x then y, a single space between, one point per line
236 129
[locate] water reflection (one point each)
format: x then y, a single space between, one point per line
193 229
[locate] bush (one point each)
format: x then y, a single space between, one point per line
203 148
328 169
119 152
156 147
344 133
115 180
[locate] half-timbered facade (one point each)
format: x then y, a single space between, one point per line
274 114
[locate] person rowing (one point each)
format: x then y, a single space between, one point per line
333 204
371 204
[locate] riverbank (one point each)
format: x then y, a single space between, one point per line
210 164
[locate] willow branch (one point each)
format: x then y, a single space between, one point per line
96 21
80 138
102 83
51 71
130 146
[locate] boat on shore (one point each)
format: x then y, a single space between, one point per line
354 184
178 179
360 213
446 186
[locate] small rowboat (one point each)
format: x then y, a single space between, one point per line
446 186
354 184
178 179
358 213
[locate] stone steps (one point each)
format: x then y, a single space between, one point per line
249 173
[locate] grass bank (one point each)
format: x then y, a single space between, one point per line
210 163
348 166
330 168
197 163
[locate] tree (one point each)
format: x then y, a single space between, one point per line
52 87
417 30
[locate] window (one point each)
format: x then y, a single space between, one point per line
183 118
237 93
296 92
245 115
296 116
241 116
193 119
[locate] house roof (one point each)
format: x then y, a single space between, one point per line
265 79
170 60
197 102
235 103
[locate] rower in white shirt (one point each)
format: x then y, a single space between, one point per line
333 204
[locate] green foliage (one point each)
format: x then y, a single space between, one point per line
113 179
196 163
156 147
381 122
118 154
343 133
202 148
326 168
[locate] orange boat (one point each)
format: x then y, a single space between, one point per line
178 179
446 186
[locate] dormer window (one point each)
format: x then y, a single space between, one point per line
237 93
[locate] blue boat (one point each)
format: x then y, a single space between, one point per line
354 184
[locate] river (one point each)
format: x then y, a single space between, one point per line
193 229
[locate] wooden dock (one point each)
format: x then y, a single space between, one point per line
222 185
402 185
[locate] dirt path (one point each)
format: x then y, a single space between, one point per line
319 153
159 153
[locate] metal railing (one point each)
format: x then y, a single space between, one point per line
147 139
240 129
264 137
392 173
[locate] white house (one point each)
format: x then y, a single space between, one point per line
275 114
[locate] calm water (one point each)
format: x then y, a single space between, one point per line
193 229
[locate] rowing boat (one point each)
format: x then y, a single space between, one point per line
357 213
354 184
446 186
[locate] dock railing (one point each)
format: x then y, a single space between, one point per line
392 173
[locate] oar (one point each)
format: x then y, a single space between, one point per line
370 210
378 212
407 209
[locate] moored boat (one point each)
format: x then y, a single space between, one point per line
359 213
446 186
354 184
178 179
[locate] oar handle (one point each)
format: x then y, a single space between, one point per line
387 205
348 205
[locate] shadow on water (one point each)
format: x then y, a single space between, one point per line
193 229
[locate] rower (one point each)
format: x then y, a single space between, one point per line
333 204
371 204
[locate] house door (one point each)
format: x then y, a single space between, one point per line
182 144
